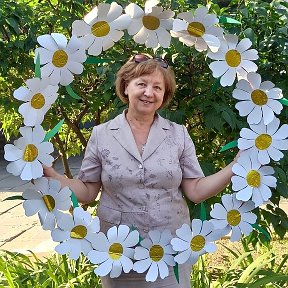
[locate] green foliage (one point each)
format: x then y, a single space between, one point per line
20 271
200 103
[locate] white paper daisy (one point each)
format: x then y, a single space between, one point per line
155 254
257 100
251 180
101 27
76 232
48 200
266 141
29 153
150 27
113 252
192 243
61 59
198 29
233 59
233 215
38 97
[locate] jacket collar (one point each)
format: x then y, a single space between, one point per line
123 134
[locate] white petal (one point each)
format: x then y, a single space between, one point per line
179 244
116 269
183 257
263 157
96 48
60 39
238 183
97 257
12 153
132 239
59 236
196 226
155 236
227 202
164 37
104 268
163 269
218 68
135 26
80 28
282 133
275 154
141 36
63 248
152 40
127 264
243 45
47 42
255 116
134 10
244 194
212 42
236 234
184 232
245 107
254 79
152 274
218 211
121 23
114 12
228 78
142 265
241 94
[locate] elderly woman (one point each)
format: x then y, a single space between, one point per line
144 164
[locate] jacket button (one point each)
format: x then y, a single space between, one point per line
140 166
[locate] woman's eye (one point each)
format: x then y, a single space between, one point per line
158 88
141 84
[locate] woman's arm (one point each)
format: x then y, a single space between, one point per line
86 192
200 189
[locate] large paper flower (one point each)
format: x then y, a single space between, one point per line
233 215
265 140
150 27
192 243
252 180
60 59
258 100
233 59
29 153
198 29
38 98
101 27
76 233
156 254
114 253
48 200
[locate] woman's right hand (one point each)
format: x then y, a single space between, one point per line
50 172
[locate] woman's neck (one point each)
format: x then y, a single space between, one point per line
139 122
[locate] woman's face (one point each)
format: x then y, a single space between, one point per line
146 93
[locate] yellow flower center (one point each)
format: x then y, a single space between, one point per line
49 202
115 251
78 232
263 141
253 178
30 153
100 29
197 243
259 97
196 29
151 22
156 253
60 58
233 217
38 101
233 58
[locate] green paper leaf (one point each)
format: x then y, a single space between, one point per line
224 19
283 101
229 145
203 215
95 60
176 272
262 231
53 131
71 92
15 197
74 200
37 67
215 85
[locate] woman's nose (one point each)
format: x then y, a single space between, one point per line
148 91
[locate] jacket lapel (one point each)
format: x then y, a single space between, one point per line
123 134
156 136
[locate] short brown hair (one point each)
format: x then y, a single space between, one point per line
131 70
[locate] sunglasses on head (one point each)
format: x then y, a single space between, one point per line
142 58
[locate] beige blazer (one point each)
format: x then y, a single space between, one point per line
141 191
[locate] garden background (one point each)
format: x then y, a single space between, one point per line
200 103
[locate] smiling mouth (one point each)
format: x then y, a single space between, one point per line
146 102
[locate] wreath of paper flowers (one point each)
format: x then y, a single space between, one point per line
120 250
